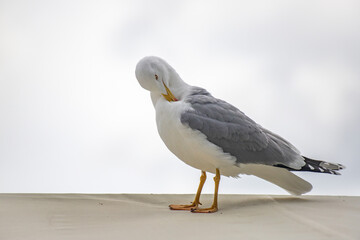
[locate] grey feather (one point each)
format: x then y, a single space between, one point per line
227 127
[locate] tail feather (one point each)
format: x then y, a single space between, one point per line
278 176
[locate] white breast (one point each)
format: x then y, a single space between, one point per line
191 146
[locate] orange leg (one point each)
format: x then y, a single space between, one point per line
214 206
196 202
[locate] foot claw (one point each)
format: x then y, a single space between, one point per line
204 210
183 207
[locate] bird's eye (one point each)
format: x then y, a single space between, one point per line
156 77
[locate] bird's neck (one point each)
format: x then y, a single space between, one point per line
179 88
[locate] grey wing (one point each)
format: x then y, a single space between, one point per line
229 128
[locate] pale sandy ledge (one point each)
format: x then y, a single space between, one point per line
146 216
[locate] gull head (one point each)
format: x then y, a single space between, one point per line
157 76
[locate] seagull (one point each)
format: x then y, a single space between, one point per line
213 136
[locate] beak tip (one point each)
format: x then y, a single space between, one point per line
169 96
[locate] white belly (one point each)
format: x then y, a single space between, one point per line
191 146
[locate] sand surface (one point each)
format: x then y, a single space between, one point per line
146 216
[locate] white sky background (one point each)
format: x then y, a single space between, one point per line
74 118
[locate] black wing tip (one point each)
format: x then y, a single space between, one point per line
341 167
312 165
323 165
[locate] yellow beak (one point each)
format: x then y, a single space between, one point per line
169 96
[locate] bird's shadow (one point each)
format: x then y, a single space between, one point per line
249 201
